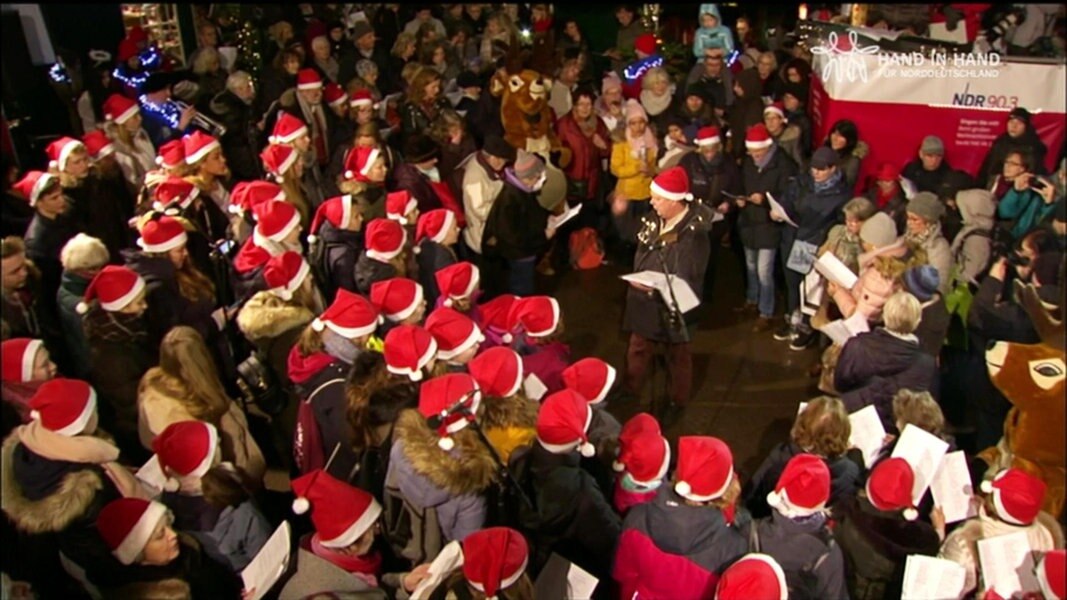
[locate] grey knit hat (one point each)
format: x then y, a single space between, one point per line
879 231
927 206
528 165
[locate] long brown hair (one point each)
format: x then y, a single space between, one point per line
310 341
294 194
375 398
187 367
192 283
417 89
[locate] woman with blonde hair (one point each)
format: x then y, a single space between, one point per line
186 386
133 147
657 94
498 28
425 101
207 170
401 55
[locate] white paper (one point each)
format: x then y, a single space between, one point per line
775 206
533 387
867 435
812 290
448 560
835 271
565 580
151 473
228 57
842 330
554 221
929 578
801 408
1007 564
939 31
270 564
952 488
924 452
687 300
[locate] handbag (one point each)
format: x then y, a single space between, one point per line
801 256
260 386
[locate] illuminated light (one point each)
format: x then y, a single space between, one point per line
133 80
168 112
58 73
802 12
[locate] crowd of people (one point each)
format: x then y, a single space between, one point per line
328 276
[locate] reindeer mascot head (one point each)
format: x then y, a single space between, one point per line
1032 378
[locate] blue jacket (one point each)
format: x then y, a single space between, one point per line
1027 208
719 36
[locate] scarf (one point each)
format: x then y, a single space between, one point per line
641 145
882 198
829 183
762 164
81 449
339 347
117 327
654 104
587 126
366 567
919 239
509 175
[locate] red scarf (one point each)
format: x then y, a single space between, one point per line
367 567
882 197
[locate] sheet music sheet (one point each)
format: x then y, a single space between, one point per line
842 330
929 578
554 221
924 453
562 579
952 488
268 566
687 300
775 206
449 559
1007 564
151 473
533 387
835 271
867 433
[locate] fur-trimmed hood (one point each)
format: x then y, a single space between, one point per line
70 501
267 316
513 411
467 469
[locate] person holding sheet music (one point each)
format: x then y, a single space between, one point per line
673 241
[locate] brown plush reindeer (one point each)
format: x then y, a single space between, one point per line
1032 379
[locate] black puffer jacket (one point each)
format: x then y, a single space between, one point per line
515 227
873 366
338 254
241 140
754 223
846 478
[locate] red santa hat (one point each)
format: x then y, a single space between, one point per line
127 524
538 315
496 314
17 356
1051 573
308 79
494 559
457 281
287 129
334 95
803 488
361 98
247 196
114 286
127 50
350 316
33 183
174 192
285 273
707 136
398 205
59 151
63 406
341 513
198 145
645 459
274 222
754 576
359 161
278 159
449 403
638 425
890 485
407 350
590 377
397 298
498 371
562 423
758 137
672 184
705 468
454 332
162 233
119 108
385 239
777 108
186 449
645 44
336 210
1017 495
434 225
98 144
171 155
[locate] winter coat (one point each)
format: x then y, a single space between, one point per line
720 89
895 205
876 545
693 121
273 327
45 239
938 255
815 211
961 545
15 215
670 549
745 112
324 376
509 423
241 141
719 36
926 181
167 307
418 185
685 250
341 249
431 258
707 181
797 545
1025 209
452 482
973 245
159 405
871 291
515 227
631 184
481 186
103 205
573 517
120 351
849 164
933 328
846 478
990 319
314 574
754 223
586 157
873 366
547 362
1029 142
230 536
370 271
415 119
71 291
847 248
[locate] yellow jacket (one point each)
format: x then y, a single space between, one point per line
506 439
632 184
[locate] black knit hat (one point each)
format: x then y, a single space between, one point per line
420 148
495 145
1020 113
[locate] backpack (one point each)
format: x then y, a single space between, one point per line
412 533
586 250
308 453
802 584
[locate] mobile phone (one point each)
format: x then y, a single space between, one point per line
1037 184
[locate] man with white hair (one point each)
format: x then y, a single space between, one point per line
233 108
82 257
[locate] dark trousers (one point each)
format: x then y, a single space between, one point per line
679 366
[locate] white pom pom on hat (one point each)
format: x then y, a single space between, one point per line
318 325
171 485
617 466
683 488
301 505
588 450
81 308
446 443
987 486
911 514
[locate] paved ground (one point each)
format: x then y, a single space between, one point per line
746 386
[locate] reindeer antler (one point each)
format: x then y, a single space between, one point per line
1049 329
